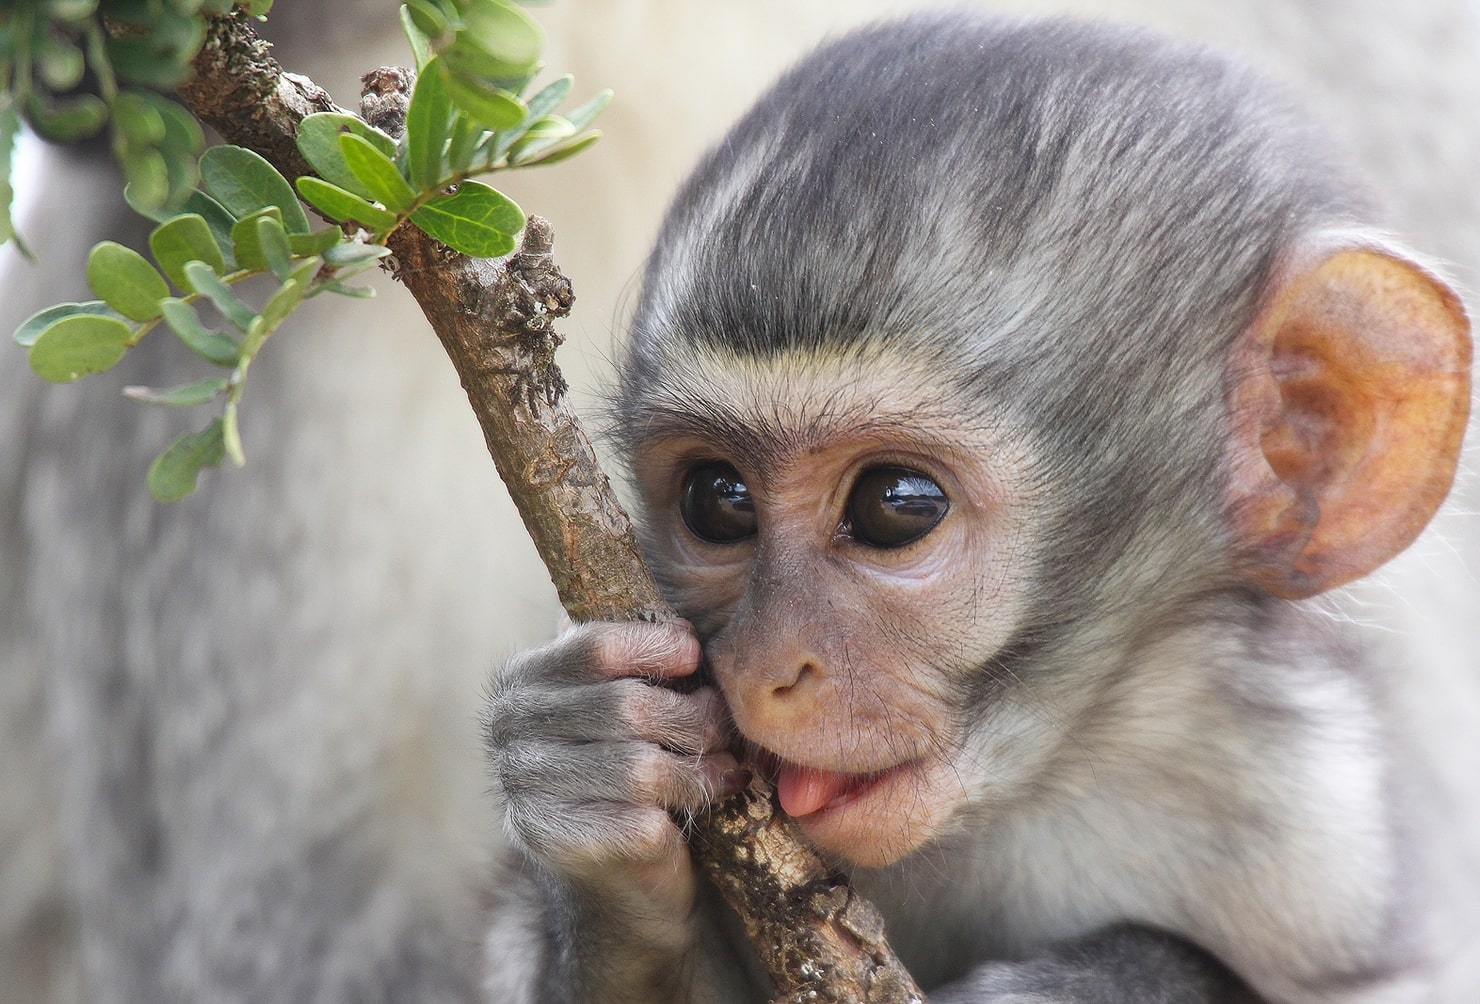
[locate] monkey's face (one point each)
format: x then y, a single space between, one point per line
848 566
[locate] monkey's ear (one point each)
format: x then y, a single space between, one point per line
1348 398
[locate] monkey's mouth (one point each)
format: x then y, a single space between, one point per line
805 791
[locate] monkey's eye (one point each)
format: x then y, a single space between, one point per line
716 506
893 506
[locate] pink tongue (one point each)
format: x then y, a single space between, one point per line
804 790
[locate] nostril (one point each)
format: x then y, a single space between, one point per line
797 680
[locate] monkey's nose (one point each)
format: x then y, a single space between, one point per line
795 682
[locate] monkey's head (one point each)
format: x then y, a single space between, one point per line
976 355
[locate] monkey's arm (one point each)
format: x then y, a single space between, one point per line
1123 965
592 760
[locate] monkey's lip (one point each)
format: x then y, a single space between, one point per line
807 791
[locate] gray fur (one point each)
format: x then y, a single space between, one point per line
1063 228
941 184
372 568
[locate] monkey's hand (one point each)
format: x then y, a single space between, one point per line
594 759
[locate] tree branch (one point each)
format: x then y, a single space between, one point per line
496 319
239 90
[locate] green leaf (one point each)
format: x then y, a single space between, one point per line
565 150
353 253
180 148
212 346
492 107
60 63
185 239
131 11
358 292
31 328
182 132
71 10
182 396
174 473
68 120
541 135
147 177
244 182
428 122
421 45
580 118
160 57
466 135
317 242
137 120
247 243
273 240
289 295
550 96
476 220
345 272
540 106
182 174
78 345
504 32
208 284
345 207
218 220
318 141
466 57
231 437
377 173
430 19
126 281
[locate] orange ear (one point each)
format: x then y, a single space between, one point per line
1348 400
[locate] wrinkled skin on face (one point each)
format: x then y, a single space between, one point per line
841 653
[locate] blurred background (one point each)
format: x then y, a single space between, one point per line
238 745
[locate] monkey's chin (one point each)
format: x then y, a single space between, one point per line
870 819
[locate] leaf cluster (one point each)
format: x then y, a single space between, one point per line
468 115
486 54
246 224
71 69
240 246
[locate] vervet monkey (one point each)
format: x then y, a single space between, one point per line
997 394
240 732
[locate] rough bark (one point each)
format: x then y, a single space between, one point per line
495 318
239 90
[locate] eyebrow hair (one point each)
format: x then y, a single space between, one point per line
768 434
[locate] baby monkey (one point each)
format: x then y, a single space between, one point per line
996 394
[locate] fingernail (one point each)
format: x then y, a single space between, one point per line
734 781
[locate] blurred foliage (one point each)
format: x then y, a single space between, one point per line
232 238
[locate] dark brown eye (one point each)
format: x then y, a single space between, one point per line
716 506
893 506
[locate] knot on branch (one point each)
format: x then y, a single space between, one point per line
537 293
385 94
546 292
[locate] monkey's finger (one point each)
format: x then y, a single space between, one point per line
683 723
593 836
565 776
602 650
616 709
654 651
